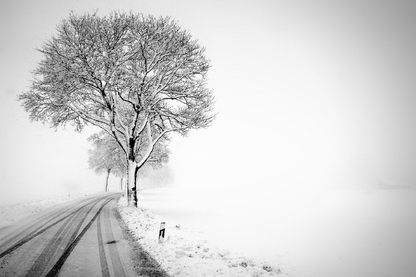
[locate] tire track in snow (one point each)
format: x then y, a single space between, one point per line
66 233
40 222
112 245
103 260
39 230
58 265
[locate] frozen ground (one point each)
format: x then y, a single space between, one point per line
12 213
260 233
303 233
184 252
188 252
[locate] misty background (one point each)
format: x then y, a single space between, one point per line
308 94
311 162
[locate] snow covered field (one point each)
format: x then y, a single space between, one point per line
303 233
187 252
267 233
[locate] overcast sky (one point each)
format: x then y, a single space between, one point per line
309 93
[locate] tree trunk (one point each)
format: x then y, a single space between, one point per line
131 181
106 180
121 183
135 189
126 190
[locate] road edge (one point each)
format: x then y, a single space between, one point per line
143 263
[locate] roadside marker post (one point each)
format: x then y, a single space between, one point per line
162 232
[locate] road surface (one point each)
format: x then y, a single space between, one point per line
78 238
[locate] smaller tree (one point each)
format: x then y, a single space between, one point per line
120 172
106 156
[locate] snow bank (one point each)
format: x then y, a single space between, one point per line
188 252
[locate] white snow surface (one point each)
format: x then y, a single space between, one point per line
183 252
9 214
308 233
266 233
188 252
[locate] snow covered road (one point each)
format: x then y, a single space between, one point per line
77 238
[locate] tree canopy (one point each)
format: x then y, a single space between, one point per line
137 77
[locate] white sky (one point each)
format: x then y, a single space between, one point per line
309 93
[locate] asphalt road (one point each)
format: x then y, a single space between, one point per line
78 238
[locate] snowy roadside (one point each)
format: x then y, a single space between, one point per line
13 213
187 252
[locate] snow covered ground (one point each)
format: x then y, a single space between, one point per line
302 233
188 252
184 252
267 233
10 214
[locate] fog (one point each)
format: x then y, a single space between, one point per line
305 233
37 162
313 99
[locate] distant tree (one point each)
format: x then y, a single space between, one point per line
137 77
121 173
150 178
107 156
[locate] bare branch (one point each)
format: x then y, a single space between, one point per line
137 77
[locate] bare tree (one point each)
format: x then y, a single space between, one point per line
106 156
137 77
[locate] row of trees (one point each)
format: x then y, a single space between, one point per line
137 77
106 156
